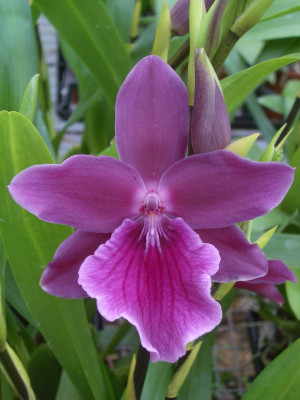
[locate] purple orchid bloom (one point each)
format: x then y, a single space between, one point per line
265 286
142 221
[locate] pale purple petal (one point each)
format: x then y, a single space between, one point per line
93 194
60 277
240 260
210 123
263 289
278 273
164 291
152 119
213 190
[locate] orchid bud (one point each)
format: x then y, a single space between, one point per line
210 128
218 24
180 16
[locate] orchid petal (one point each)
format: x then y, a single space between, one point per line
60 277
278 273
210 123
263 289
213 190
152 119
240 260
93 194
164 290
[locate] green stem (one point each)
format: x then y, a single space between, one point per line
292 115
140 371
191 150
180 55
223 51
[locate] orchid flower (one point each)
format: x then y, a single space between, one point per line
149 225
265 286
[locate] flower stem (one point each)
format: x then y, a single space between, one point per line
292 115
223 51
140 371
180 55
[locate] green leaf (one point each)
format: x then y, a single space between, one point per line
182 372
90 32
6 392
66 389
281 7
144 43
262 122
198 384
252 13
243 145
157 381
233 64
30 245
44 372
264 239
268 221
18 62
285 26
272 101
285 247
111 151
163 34
28 104
3 332
14 297
290 92
280 380
291 201
293 294
18 336
277 48
237 86
16 372
121 14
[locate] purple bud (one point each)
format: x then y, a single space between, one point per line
180 16
210 123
